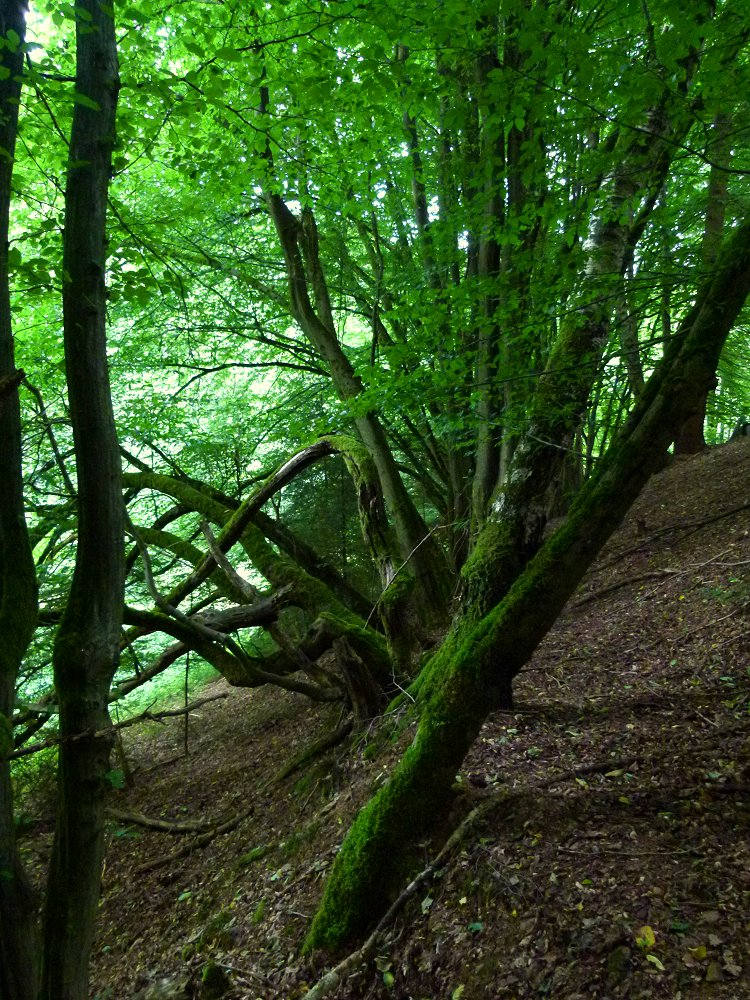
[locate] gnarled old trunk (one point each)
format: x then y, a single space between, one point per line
469 673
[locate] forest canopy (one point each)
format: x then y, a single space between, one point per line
335 339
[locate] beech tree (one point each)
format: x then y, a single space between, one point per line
471 258
88 639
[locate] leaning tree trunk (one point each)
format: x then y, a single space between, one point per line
18 592
87 644
486 655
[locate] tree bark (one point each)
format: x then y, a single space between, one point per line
483 657
87 644
18 588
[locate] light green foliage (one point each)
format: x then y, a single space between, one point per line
462 173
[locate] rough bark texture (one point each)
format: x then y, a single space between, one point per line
481 656
18 594
87 644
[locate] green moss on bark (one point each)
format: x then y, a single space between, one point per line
366 642
373 860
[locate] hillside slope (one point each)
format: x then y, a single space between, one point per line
612 859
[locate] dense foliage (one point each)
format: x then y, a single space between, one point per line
385 282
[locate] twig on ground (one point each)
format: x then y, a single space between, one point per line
162 825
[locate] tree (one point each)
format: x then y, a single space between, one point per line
18 588
89 636
476 664
88 639
446 247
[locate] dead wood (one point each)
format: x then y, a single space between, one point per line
194 845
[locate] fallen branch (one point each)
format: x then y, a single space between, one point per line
689 526
598 767
162 825
597 595
196 844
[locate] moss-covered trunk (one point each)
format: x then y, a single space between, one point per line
87 643
484 656
18 594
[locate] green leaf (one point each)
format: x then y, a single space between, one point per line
12 40
229 54
124 831
116 778
645 937
655 962
477 927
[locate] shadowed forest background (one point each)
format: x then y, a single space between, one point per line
336 340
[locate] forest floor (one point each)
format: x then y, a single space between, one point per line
613 859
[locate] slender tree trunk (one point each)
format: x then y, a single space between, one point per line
475 666
18 591
87 644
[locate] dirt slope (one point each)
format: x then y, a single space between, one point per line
614 861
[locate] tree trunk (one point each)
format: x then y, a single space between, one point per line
87 644
18 590
483 657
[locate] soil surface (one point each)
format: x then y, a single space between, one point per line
612 858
